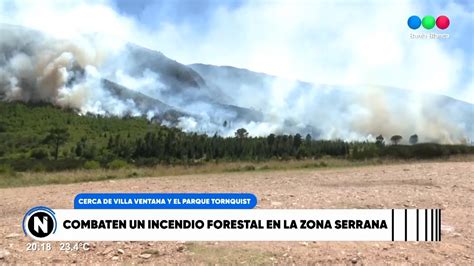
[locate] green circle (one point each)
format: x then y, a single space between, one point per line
428 22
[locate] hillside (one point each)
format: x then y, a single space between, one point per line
334 110
69 75
42 137
135 81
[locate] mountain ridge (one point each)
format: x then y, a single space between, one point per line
209 98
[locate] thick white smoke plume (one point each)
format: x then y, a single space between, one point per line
37 68
79 55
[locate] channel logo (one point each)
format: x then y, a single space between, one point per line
39 222
428 22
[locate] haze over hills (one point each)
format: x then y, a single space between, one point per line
370 109
88 75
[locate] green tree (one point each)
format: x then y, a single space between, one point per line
80 147
57 137
271 140
379 140
413 139
39 153
396 139
297 141
241 133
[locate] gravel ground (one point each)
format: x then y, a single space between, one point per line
448 186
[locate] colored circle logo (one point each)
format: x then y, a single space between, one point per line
442 22
428 22
414 22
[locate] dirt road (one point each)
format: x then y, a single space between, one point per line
423 185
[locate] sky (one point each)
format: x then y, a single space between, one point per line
324 42
348 42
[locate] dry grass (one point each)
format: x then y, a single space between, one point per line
21 179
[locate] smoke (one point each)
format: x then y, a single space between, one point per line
420 113
344 112
38 68
79 45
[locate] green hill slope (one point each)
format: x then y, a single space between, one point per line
43 137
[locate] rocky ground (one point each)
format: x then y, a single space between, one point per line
448 186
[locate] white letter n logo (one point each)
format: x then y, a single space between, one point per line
40 224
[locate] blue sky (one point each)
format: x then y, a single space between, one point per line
152 13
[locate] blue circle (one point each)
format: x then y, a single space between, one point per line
414 22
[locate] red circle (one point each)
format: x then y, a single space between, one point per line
442 22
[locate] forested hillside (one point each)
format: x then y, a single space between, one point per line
43 137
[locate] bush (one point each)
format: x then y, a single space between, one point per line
39 167
39 153
7 170
118 164
22 165
90 152
148 162
430 150
398 151
91 165
249 168
133 174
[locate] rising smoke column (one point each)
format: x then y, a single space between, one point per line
37 68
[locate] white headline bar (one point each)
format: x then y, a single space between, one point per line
235 225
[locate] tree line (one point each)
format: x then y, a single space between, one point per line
62 139
172 145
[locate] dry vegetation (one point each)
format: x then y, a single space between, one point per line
18 179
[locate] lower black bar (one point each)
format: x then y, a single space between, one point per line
417 225
406 226
439 229
432 212
393 225
438 225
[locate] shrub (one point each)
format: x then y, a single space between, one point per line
6 169
91 165
399 151
39 153
39 167
249 168
90 152
430 150
118 164
148 162
133 174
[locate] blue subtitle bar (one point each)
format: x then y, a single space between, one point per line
165 201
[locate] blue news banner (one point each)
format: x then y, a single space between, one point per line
165 201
